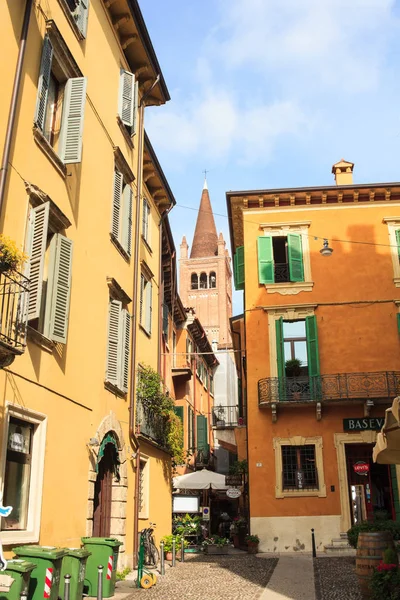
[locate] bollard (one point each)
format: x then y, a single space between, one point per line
100 582
162 559
314 551
67 584
173 552
183 549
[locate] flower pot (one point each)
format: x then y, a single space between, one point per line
252 547
214 549
235 539
168 556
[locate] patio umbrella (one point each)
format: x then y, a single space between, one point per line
387 447
200 480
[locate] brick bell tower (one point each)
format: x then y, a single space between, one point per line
206 276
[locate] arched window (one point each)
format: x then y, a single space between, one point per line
213 280
195 281
203 281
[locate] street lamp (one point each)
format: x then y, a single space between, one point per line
325 250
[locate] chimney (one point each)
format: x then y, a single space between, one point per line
343 172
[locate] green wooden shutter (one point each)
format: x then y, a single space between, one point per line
116 204
149 307
126 97
36 248
135 107
295 257
395 491
202 433
113 367
43 84
238 268
190 428
266 269
58 289
312 346
81 14
398 322
280 351
70 144
126 240
125 342
398 241
178 410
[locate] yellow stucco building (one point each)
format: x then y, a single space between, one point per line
83 193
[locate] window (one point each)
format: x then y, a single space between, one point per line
145 303
203 281
165 320
49 271
213 280
280 258
295 341
299 469
174 361
144 480
190 428
128 103
121 221
77 12
22 469
60 102
118 345
146 222
194 281
189 350
212 384
393 224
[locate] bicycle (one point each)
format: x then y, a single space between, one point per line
151 553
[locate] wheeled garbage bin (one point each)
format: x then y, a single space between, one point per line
104 551
74 564
45 579
20 570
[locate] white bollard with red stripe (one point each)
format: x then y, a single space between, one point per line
109 567
48 582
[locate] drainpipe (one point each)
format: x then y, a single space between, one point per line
14 102
132 387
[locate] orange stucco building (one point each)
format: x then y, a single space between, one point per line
322 363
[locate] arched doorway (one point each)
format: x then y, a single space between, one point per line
107 472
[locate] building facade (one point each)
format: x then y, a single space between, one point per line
318 372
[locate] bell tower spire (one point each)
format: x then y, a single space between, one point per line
205 241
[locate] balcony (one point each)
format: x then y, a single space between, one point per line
281 271
225 417
204 459
369 388
181 367
14 298
151 425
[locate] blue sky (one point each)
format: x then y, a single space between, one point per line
271 93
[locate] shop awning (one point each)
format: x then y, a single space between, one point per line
200 480
387 448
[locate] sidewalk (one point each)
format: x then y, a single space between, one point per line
293 578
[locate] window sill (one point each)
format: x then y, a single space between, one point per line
10 537
396 281
115 390
71 20
40 340
145 331
301 494
125 132
49 151
145 242
144 517
119 247
289 289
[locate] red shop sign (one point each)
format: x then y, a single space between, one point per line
361 467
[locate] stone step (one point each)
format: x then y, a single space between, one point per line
340 542
344 536
339 550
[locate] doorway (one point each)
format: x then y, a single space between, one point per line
369 485
103 493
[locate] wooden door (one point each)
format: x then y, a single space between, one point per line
103 494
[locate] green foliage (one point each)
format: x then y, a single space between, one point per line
11 257
239 467
378 525
215 541
168 539
252 538
385 583
293 367
174 430
390 557
187 525
122 574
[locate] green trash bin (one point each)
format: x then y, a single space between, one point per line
104 551
20 570
45 580
74 564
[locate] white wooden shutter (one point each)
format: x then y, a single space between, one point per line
116 205
149 308
36 248
125 347
70 144
126 97
113 342
58 289
81 16
43 84
126 240
135 107
141 299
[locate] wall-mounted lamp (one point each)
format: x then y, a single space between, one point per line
93 442
325 250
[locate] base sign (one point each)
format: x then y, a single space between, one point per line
233 493
362 424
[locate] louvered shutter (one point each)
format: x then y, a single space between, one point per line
398 322
36 248
113 369
144 219
126 97
313 355
266 269
202 433
149 307
135 107
295 257
178 410
125 348
58 289
70 144
81 16
126 241
43 84
116 204
398 241
239 268
141 299
190 428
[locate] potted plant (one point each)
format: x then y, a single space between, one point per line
238 531
168 539
215 545
293 367
252 543
11 257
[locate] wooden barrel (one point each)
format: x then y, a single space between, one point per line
370 549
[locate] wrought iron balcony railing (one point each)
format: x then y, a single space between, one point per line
226 416
151 425
281 271
204 459
14 298
383 385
